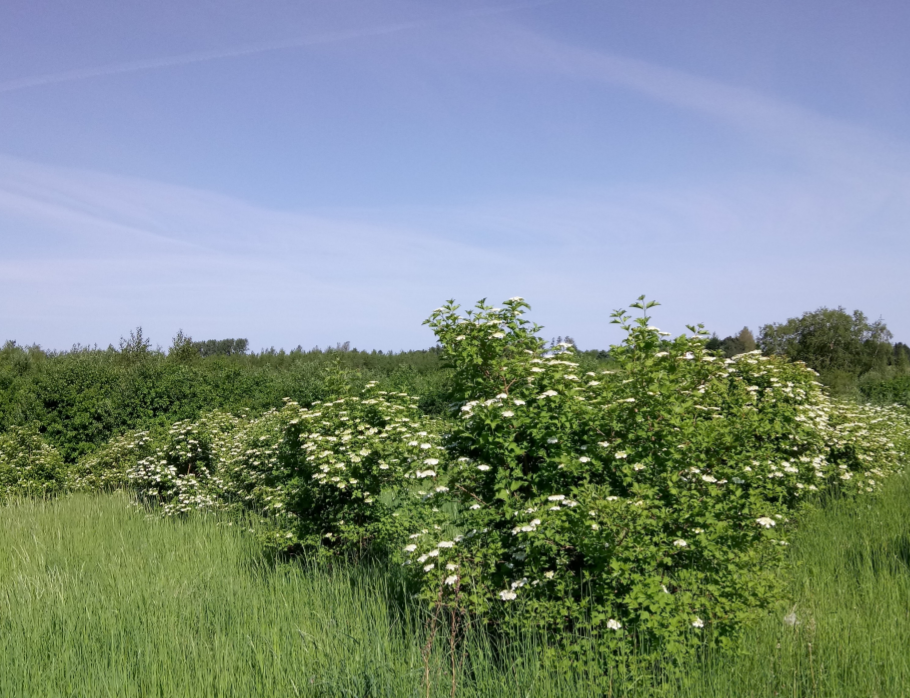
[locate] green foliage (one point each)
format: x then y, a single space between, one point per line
902 357
341 476
338 477
135 347
183 349
742 343
106 469
893 390
645 505
183 469
830 340
85 397
485 361
746 340
221 347
635 506
29 467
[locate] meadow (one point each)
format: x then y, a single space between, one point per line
101 597
496 515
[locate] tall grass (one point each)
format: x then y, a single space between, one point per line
845 630
98 598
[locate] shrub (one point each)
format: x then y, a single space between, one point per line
894 389
341 476
29 466
107 468
85 397
646 504
185 470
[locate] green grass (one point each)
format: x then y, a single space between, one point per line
98 598
850 593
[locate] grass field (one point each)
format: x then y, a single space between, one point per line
98 598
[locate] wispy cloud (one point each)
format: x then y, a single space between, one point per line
789 126
745 251
190 58
746 248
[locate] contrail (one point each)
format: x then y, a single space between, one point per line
250 49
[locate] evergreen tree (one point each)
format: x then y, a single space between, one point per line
746 339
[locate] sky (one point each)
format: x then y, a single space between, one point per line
307 173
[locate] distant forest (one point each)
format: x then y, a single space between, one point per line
84 396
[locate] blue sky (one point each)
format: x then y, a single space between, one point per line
315 172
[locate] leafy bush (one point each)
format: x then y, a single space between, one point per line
29 466
107 468
184 471
891 390
649 503
346 473
338 477
831 340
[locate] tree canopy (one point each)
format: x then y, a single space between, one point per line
830 340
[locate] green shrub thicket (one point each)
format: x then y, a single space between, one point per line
847 349
83 398
333 477
29 466
886 390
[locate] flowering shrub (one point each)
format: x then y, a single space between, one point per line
649 501
341 475
107 468
338 476
185 470
29 466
